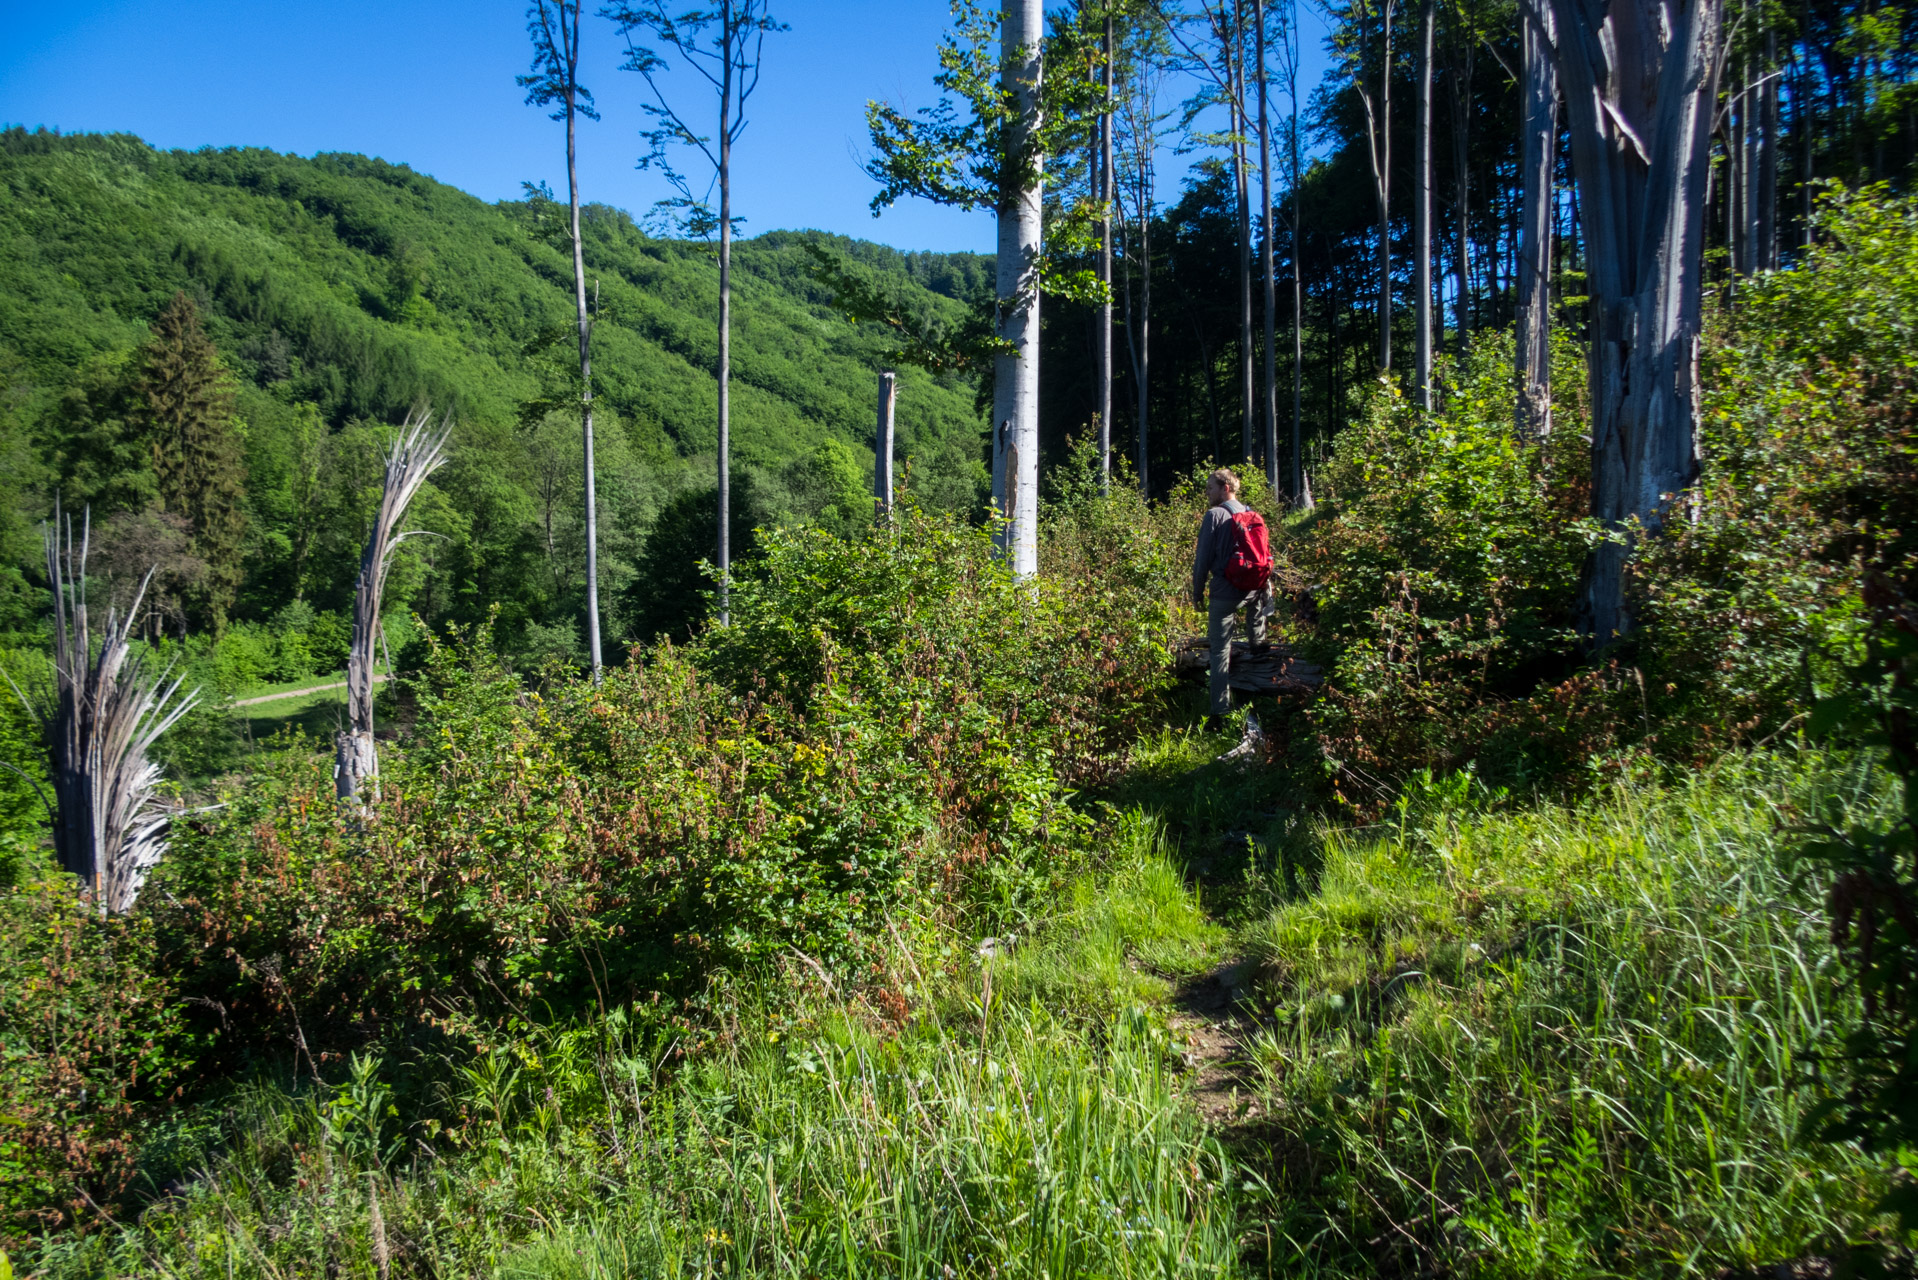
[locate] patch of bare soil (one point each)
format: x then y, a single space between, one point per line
1212 1017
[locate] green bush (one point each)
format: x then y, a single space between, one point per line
1443 562
88 1032
883 721
1750 609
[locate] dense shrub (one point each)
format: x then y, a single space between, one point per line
884 719
1444 560
1750 609
1446 555
87 1031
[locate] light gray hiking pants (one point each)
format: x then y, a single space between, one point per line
1223 627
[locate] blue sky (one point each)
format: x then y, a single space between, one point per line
430 84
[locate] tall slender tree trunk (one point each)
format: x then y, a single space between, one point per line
1235 78
1105 270
585 357
1300 498
725 560
1015 396
1768 172
1422 217
1461 85
1538 147
1269 400
1379 138
1641 87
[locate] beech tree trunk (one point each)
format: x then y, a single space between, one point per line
1269 400
1378 139
416 454
1015 396
1422 217
1538 125
1105 271
1641 85
1461 85
725 561
1235 77
1300 497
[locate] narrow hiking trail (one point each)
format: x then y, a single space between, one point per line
1211 1020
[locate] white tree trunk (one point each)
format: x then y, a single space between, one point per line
1269 404
1105 271
725 560
1538 123
1015 397
1641 85
1422 217
585 390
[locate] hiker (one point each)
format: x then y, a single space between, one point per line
1234 554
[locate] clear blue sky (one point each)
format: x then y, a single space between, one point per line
430 84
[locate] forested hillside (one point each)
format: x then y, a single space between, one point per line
339 291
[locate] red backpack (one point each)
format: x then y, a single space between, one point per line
1248 561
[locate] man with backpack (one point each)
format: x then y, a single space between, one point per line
1235 556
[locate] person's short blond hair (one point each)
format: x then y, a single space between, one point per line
1227 477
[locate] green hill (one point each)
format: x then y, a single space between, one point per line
341 290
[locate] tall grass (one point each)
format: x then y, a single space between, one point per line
1021 1119
1559 1042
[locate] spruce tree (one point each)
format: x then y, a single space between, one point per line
186 402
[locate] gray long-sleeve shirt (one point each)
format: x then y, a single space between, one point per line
1209 556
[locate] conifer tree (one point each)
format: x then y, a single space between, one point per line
183 401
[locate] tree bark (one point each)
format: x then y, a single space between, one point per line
1538 124
1768 166
1015 397
1235 79
1422 218
725 561
1461 85
1105 270
882 445
1641 86
1378 139
1300 498
1269 401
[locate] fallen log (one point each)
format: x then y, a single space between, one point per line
1271 669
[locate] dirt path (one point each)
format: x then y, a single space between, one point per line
1210 1018
298 693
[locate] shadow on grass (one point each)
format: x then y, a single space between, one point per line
1236 830
319 716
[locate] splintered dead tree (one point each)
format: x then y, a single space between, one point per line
1640 79
723 43
417 453
554 28
102 713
